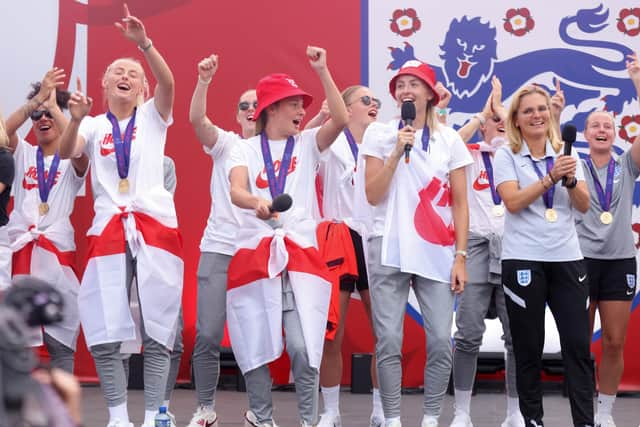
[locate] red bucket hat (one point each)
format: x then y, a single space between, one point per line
419 70
276 87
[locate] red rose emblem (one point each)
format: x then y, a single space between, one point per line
629 21
629 128
405 22
518 21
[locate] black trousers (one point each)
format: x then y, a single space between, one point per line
529 287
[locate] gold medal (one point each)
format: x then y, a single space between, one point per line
551 215
123 185
497 210
606 218
43 208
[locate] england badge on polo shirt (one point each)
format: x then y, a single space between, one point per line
524 277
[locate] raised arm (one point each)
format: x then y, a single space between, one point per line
633 67
52 79
441 107
337 110
320 118
71 144
205 130
133 29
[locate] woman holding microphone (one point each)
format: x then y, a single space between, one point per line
541 258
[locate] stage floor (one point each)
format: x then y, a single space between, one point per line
487 409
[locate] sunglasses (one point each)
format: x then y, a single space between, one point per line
37 115
244 105
367 100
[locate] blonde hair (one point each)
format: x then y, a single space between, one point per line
146 92
513 132
348 93
586 122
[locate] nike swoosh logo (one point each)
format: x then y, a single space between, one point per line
630 292
480 184
581 278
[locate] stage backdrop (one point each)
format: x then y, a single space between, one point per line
581 43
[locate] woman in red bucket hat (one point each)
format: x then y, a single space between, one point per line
276 279
418 234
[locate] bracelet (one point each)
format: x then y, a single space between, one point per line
147 47
441 111
546 187
480 118
572 184
551 178
461 252
204 82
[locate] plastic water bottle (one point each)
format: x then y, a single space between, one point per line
162 418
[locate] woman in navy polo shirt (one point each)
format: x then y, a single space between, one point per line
541 258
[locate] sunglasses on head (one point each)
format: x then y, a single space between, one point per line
244 105
37 115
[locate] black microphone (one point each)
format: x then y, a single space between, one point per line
281 203
569 137
408 114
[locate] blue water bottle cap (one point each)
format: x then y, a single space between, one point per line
163 410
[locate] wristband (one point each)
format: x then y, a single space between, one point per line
441 111
462 253
147 47
572 184
204 82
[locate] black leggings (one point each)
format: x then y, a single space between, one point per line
529 287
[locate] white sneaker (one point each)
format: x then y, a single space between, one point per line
118 423
250 420
204 417
375 421
428 421
461 419
514 420
329 420
395 423
605 421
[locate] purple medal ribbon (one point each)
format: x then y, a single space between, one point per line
548 195
352 143
604 197
45 184
426 135
276 184
122 146
486 158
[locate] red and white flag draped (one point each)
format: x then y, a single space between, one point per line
49 255
103 298
254 290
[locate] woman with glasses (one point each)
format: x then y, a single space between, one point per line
608 246
340 237
134 229
484 285
218 240
541 259
41 234
415 181
7 171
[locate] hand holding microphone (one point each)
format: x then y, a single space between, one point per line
569 137
281 203
408 114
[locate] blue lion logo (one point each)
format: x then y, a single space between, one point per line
470 60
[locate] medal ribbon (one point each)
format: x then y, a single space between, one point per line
45 184
122 146
548 195
276 184
352 143
604 197
426 135
486 158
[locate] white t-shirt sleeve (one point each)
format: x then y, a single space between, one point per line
87 131
224 139
504 166
460 155
373 140
309 137
579 166
238 156
149 108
